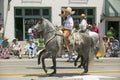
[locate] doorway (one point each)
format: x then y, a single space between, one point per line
116 26
19 28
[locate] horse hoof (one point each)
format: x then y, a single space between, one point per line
75 64
79 66
39 63
85 71
45 71
52 74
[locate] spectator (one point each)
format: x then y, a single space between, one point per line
1 34
110 43
30 33
16 48
111 33
41 41
105 39
5 49
31 48
95 28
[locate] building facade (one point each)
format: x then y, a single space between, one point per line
20 14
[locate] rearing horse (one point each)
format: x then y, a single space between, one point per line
53 43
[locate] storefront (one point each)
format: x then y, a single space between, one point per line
112 16
21 14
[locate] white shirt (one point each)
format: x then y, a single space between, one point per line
83 25
16 46
68 23
30 31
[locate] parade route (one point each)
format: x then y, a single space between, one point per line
27 69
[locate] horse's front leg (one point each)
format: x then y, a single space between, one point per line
45 55
40 52
54 65
43 65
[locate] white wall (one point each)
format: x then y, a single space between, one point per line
55 6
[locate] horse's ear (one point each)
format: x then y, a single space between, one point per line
40 20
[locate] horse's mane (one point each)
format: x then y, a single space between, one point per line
48 23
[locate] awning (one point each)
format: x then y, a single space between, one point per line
112 8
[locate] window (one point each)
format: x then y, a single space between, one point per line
81 11
36 12
90 12
90 20
45 11
18 12
28 12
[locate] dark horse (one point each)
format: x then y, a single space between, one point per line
53 44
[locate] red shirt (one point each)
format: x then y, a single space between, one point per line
95 29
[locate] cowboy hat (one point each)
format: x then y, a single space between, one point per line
83 15
68 9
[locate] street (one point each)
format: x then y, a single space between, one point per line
27 69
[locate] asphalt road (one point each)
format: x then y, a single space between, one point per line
27 69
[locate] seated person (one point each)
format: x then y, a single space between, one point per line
105 40
115 44
31 48
16 48
5 49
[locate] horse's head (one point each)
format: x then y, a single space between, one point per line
39 27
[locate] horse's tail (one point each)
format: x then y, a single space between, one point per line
91 54
40 52
101 46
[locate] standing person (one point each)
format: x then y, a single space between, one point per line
95 28
41 41
111 32
67 25
30 33
16 48
83 23
31 48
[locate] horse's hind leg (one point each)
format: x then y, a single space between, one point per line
76 60
85 65
82 62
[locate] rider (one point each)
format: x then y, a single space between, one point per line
83 23
67 23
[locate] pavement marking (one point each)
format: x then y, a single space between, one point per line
87 77
59 73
